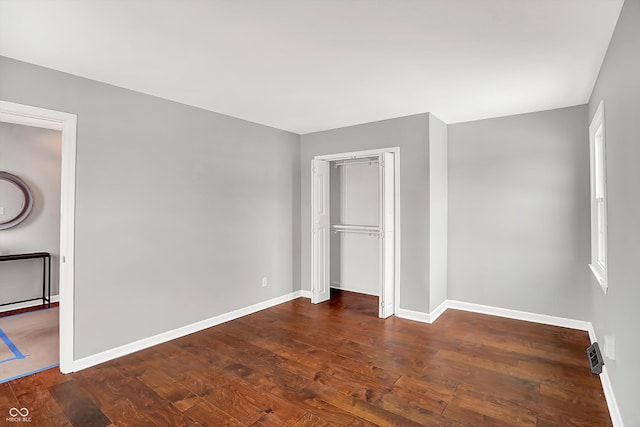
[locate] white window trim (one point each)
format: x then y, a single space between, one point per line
599 269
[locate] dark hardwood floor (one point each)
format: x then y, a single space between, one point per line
332 364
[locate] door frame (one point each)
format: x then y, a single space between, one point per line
369 153
66 123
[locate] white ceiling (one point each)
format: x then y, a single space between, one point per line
310 65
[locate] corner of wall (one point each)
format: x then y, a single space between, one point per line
438 212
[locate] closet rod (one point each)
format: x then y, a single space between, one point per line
354 162
364 229
370 233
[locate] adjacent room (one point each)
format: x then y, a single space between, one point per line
309 212
30 225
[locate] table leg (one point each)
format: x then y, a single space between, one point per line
44 278
49 267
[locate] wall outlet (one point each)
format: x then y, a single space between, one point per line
1 211
610 347
264 282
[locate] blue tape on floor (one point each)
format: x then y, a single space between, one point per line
17 353
6 380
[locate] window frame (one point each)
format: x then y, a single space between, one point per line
598 199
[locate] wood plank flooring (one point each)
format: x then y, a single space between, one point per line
332 364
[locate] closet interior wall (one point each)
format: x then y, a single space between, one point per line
355 200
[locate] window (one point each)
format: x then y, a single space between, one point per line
598 198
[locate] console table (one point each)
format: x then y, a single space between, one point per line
46 275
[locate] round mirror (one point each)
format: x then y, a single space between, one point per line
16 200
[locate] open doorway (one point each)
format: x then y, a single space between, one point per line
64 123
30 168
355 233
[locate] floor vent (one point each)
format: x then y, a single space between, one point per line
595 358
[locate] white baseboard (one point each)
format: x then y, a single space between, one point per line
418 316
614 410
123 350
592 334
27 304
520 315
305 294
439 310
421 316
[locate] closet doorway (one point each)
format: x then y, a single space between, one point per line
355 225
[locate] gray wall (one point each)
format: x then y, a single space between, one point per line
616 313
411 134
33 154
438 217
180 212
519 212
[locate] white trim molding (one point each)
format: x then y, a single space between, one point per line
607 388
520 315
421 316
418 316
614 410
105 356
493 311
439 310
598 186
397 225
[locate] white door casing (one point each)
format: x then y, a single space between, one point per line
27 115
320 229
387 234
389 248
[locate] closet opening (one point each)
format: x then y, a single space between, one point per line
354 229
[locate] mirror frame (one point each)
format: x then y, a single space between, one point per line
27 197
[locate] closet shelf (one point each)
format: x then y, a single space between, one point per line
351 228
